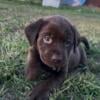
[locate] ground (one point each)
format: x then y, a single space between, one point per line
13 50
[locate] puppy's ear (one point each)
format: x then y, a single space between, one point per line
32 31
76 37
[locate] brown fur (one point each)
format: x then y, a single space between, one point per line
54 46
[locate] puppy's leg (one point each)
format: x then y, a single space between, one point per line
32 64
42 90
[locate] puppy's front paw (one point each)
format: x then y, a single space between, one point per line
39 94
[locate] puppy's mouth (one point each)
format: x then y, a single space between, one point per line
56 66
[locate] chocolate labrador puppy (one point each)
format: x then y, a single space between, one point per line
54 47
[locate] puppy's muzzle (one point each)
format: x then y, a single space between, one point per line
56 59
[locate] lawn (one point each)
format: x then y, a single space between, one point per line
13 50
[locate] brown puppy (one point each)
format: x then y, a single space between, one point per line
54 47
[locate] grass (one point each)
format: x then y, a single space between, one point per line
13 50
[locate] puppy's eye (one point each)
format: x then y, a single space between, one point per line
47 40
68 43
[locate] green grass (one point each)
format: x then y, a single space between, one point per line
13 51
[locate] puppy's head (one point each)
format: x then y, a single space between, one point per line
53 37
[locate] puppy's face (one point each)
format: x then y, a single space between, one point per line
51 44
53 41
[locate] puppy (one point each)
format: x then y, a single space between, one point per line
54 47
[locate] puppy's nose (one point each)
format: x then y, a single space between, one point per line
56 58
